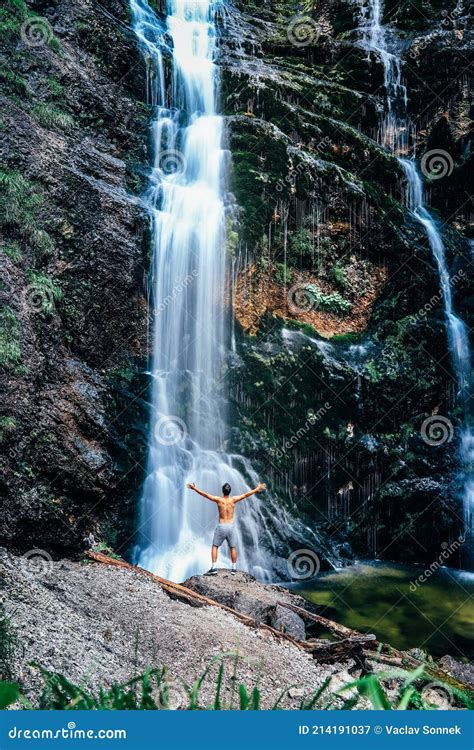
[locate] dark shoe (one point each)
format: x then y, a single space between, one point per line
211 572
233 572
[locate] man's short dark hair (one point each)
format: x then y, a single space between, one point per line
226 489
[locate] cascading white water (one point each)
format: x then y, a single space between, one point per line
395 134
186 202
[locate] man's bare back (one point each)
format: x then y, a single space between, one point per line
226 505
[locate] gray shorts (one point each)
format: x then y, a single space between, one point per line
223 532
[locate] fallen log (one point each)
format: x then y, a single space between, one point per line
333 627
373 650
326 651
192 597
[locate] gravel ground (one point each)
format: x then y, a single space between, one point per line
100 625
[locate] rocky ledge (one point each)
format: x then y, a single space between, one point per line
99 625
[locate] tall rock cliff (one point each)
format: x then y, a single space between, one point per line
329 389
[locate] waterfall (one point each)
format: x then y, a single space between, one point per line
395 133
186 198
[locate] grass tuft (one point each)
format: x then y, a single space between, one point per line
50 116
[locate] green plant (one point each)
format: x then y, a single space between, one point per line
50 116
7 426
10 338
331 302
55 88
19 201
283 274
44 291
338 275
105 549
410 692
14 82
12 251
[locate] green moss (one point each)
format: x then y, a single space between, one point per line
19 202
50 116
283 274
10 338
7 427
12 251
12 81
55 88
43 291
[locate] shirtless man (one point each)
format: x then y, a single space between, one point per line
225 529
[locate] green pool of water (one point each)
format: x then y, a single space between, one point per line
380 598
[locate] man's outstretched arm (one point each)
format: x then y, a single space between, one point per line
258 488
200 492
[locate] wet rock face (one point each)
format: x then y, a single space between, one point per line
75 254
334 424
339 427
